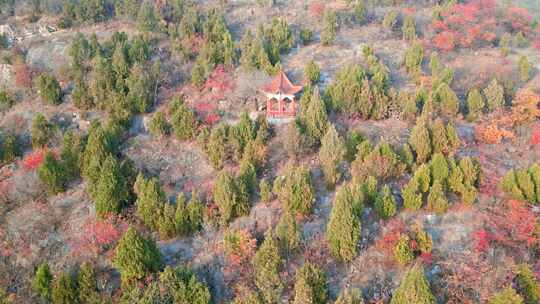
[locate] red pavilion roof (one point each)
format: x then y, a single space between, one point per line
281 85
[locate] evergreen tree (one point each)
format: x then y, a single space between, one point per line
158 125
52 174
228 198
475 104
141 86
310 286
385 203
360 12
312 72
215 148
330 27
447 100
87 285
146 19
150 201
49 89
420 142
183 120
331 155
524 68
42 282
439 140
343 229
510 185
71 154
412 200
439 168
350 296
414 288
315 117
136 257
453 138
506 296
9 148
288 234
414 57
494 93
41 131
409 28
390 20
267 264
527 286
403 252
64 290
265 191
437 199
295 190
99 146
111 188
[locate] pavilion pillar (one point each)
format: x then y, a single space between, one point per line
280 107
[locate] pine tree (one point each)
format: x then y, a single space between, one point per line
403 252
526 184
385 203
64 290
226 197
288 234
136 257
70 154
265 191
414 56
195 210
524 68
350 296
330 27
420 142
52 174
158 125
310 286
49 89
494 93
146 19
475 104
183 120
535 174
527 286
453 138
99 145
87 285
360 12
414 288
295 190
447 100
412 200
343 230
312 72
215 147
510 185
422 178
41 131
436 201
267 264
315 117
150 201
506 296
9 148
439 168
111 188
390 20
42 282
409 28
331 155
439 139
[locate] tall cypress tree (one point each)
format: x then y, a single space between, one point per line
111 190
64 290
420 141
315 117
136 257
331 155
42 282
343 230
267 264
87 285
414 288
310 286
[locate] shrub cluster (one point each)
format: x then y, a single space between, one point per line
440 176
523 184
263 50
157 213
295 190
412 244
428 138
380 161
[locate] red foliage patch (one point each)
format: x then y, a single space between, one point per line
535 136
465 25
98 236
481 240
316 9
390 236
513 225
33 160
519 18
